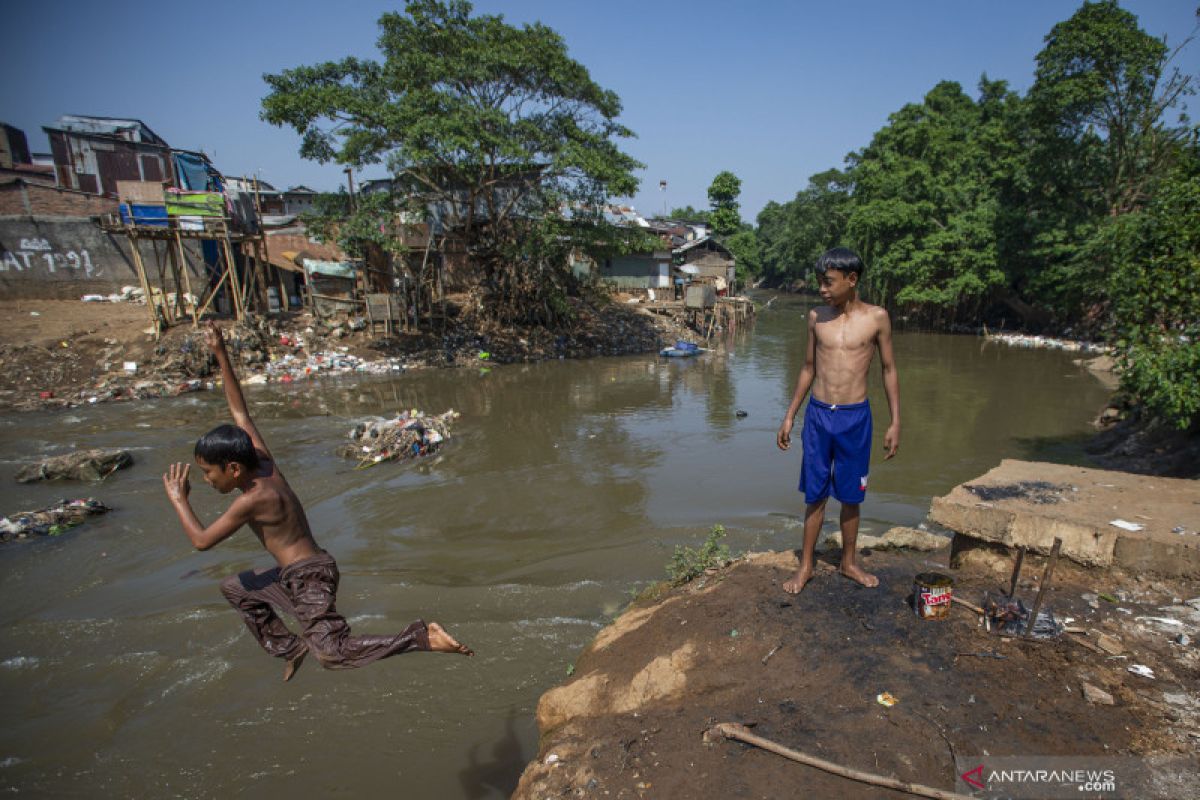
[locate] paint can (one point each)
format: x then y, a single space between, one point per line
931 595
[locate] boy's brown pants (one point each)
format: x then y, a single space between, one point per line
306 589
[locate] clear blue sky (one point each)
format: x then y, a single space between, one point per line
774 91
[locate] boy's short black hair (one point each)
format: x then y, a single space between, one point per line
225 444
840 258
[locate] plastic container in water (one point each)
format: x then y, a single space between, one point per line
932 593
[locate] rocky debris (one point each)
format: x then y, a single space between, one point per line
898 538
49 521
82 465
1094 694
411 434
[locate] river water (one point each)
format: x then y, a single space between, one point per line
565 488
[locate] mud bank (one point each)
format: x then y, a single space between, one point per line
806 671
61 353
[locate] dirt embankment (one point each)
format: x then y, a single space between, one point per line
62 353
806 671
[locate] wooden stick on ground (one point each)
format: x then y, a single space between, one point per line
1016 573
966 604
731 730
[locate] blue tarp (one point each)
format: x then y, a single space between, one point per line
194 174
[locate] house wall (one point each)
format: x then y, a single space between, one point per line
43 256
95 165
714 265
637 271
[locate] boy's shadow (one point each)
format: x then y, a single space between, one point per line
499 775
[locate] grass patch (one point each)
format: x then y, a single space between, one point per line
690 563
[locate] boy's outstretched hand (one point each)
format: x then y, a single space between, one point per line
175 481
213 337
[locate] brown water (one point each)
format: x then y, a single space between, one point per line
567 485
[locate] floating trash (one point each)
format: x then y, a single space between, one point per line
411 434
49 521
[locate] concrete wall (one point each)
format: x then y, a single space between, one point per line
67 257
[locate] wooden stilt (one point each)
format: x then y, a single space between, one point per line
141 271
235 284
187 278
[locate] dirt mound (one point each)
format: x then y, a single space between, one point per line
806 670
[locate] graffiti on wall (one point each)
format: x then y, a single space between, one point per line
34 254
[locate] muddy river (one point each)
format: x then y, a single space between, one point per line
566 487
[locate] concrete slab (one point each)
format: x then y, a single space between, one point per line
1030 503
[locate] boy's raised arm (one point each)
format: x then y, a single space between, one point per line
233 388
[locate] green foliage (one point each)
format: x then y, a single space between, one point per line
793 235
1155 286
490 130
373 219
926 206
689 214
723 194
687 563
746 253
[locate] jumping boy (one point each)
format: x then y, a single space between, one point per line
305 582
842 338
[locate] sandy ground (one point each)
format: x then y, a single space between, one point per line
806 671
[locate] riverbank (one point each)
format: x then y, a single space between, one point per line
64 353
807 671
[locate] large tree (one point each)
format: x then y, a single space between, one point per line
491 131
793 234
1101 135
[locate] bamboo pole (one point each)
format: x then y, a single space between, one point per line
141 271
235 285
187 278
731 730
212 295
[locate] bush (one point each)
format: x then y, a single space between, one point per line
688 564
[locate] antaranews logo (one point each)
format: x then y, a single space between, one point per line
1047 777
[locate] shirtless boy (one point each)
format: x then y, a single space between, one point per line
842 338
305 582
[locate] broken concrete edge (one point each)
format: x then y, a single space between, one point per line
1089 542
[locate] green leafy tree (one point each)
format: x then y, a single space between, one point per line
689 214
1155 286
792 235
723 195
492 130
1101 137
926 208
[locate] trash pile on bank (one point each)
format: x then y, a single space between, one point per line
50 521
82 465
1046 343
410 434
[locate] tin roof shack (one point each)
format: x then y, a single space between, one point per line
711 259
92 153
637 272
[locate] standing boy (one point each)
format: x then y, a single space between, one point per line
305 582
842 338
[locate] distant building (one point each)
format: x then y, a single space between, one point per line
14 147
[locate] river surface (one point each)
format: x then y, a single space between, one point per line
565 488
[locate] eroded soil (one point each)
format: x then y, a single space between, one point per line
806 671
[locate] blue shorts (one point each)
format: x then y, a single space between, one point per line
837 451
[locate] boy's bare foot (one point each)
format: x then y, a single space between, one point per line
856 573
292 665
797 582
442 642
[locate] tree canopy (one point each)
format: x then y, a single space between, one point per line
492 133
